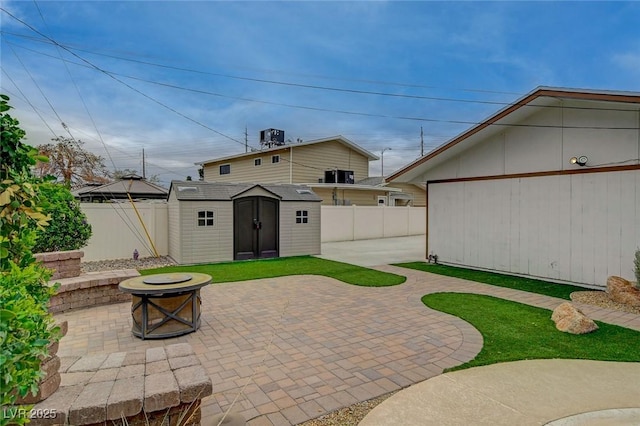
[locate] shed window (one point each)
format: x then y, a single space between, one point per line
257 162
275 159
302 216
205 218
225 169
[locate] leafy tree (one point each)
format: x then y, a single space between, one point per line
26 327
70 163
14 155
122 173
68 228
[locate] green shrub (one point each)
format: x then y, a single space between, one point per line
25 324
68 227
26 329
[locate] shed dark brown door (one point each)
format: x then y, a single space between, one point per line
255 228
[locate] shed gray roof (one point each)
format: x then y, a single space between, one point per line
221 191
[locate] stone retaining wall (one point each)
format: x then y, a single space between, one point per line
66 264
94 288
155 387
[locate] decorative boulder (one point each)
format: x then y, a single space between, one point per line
570 319
622 291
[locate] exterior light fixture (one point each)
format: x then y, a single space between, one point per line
580 161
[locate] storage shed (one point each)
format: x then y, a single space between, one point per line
214 222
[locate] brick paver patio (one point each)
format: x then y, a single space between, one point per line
303 346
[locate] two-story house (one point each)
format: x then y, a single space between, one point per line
334 167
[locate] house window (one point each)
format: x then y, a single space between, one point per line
275 159
205 218
302 216
225 169
257 162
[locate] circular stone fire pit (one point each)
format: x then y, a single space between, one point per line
165 305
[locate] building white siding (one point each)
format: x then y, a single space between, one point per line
577 228
546 140
299 238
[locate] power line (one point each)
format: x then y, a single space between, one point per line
41 92
29 102
357 113
366 114
340 89
91 65
318 76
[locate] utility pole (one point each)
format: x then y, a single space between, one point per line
421 142
144 170
246 139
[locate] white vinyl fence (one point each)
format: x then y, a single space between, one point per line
117 231
350 223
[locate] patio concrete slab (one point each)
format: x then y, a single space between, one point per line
533 392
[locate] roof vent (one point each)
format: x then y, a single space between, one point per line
304 191
187 188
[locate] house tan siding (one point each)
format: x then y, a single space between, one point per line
298 239
418 192
349 196
244 170
298 164
311 161
201 244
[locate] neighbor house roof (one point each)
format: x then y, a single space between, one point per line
373 181
221 191
354 187
134 185
341 139
509 115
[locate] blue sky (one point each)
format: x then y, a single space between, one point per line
184 79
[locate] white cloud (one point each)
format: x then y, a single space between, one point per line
629 61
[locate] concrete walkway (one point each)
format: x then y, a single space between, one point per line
290 349
535 392
376 252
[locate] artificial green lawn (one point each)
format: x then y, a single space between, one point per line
513 331
279 267
561 291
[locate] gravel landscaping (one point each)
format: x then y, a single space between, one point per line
601 299
141 263
348 416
